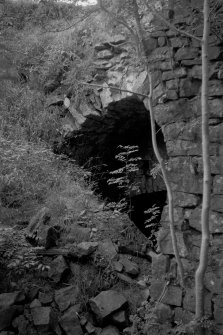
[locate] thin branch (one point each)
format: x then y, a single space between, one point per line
72 25
168 24
113 88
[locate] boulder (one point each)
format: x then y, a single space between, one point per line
8 308
108 249
22 324
13 298
120 319
6 316
160 264
44 318
66 297
45 298
58 268
131 268
110 330
85 249
70 322
35 303
36 232
163 313
106 303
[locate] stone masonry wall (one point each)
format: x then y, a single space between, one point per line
176 61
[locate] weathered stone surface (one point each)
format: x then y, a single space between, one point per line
6 316
177 73
161 41
58 268
190 62
110 330
171 95
216 221
172 296
66 297
174 111
39 225
213 282
117 266
131 268
35 303
85 249
120 319
163 313
70 322
172 84
13 298
165 243
44 318
179 42
215 88
214 52
108 249
105 54
21 323
106 303
45 298
182 199
182 316
189 301
150 44
186 53
216 203
160 265
218 185
189 88
218 308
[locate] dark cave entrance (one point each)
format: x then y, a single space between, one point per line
126 122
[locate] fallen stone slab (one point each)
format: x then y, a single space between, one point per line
106 303
44 319
110 330
58 268
66 297
70 323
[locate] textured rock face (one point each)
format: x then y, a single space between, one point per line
107 303
176 64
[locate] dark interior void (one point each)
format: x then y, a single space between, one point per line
126 122
142 203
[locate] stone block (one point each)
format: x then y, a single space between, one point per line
213 282
120 319
171 95
165 243
217 203
6 316
215 88
172 295
189 301
218 308
186 53
182 316
106 303
160 265
58 268
182 199
105 54
70 323
172 84
189 87
66 297
163 313
161 41
191 62
44 318
110 330
218 185
131 268
177 73
179 42
216 220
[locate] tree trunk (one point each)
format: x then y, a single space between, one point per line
200 273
